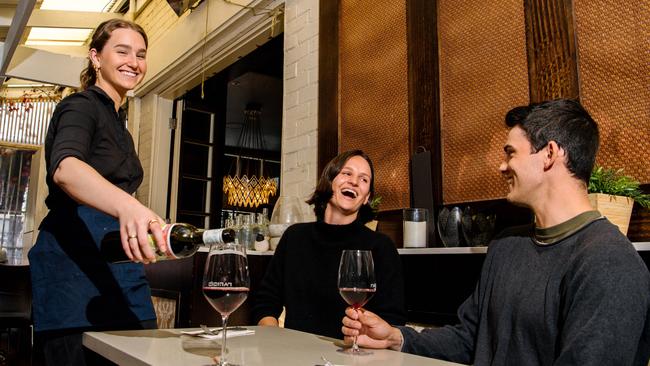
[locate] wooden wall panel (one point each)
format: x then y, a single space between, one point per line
328 85
550 38
614 65
483 73
373 87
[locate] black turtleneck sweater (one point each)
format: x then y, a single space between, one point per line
303 273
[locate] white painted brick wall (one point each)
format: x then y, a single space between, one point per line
300 118
146 116
157 18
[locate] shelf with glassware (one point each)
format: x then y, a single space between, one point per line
639 246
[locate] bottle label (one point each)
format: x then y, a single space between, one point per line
168 254
213 236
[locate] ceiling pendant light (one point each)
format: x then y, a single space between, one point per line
245 188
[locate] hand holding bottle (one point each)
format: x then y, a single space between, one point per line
179 240
137 223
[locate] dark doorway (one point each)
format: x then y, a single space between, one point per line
210 131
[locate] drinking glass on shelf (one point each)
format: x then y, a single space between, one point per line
226 283
357 284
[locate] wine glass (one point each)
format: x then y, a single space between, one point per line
357 284
226 283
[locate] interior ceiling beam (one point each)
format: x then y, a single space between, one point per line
24 9
37 65
68 19
6 14
81 51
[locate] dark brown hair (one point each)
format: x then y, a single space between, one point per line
100 36
323 192
567 123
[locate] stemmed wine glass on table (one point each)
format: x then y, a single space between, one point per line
226 283
357 285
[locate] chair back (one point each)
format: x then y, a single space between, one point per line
166 304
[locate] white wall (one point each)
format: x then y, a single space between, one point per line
174 61
149 125
300 115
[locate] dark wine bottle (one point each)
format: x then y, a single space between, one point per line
183 240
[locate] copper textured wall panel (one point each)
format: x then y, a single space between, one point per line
614 67
374 92
483 73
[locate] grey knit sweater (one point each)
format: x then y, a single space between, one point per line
584 300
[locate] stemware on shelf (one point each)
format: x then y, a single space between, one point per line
449 222
286 212
477 227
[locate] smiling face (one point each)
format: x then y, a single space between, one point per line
350 190
522 168
121 62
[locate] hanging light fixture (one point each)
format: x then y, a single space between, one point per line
244 188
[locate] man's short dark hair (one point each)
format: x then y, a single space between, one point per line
567 123
323 192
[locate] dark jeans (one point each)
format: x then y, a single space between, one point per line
65 348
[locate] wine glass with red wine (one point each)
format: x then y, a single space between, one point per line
226 283
357 284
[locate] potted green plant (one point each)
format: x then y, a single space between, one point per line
374 205
613 194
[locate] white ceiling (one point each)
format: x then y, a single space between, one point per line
36 62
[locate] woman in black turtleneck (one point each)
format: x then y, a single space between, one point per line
302 275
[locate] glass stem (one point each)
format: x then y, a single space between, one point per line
224 320
355 347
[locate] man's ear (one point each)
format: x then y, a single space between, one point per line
553 153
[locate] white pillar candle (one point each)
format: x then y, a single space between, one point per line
415 234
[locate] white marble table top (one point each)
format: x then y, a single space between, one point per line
268 346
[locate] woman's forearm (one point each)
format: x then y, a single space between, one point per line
86 186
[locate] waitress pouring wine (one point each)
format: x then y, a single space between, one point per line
92 172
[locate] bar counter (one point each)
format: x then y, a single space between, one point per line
268 346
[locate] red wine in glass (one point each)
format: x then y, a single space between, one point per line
356 297
225 299
357 285
226 283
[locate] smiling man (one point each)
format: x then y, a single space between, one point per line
569 289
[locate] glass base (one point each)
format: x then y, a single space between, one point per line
354 351
227 363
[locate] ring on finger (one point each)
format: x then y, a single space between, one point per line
133 236
152 221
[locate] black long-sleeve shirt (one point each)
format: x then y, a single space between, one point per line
303 274
86 126
584 300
